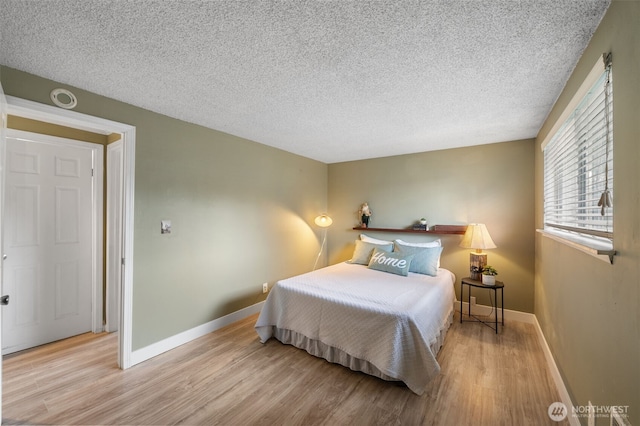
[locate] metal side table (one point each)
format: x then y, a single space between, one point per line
475 283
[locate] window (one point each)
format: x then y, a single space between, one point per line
578 169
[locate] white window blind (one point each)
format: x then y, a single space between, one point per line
578 169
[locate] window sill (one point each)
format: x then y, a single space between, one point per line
603 253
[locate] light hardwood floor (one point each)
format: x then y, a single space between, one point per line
228 377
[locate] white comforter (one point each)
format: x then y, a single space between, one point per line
395 323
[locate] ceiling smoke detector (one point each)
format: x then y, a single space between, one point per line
64 98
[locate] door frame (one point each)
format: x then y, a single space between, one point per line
3 127
113 269
97 227
63 117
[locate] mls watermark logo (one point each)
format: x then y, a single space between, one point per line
617 413
557 411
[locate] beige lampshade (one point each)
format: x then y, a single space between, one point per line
477 237
323 221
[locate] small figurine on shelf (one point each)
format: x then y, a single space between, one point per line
421 225
365 215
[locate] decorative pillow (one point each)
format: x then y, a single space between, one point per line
368 239
363 250
425 259
434 243
395 263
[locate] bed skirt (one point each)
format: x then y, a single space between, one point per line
338 356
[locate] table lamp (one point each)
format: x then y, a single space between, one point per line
477 237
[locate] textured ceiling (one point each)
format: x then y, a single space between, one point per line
329 80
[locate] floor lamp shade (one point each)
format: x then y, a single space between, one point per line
323 221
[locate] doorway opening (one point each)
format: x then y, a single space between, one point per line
118 216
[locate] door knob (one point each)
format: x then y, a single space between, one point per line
4 300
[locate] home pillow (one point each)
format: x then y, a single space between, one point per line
363 250
395 263
425 259
368 239
434 243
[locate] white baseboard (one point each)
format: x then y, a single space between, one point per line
179 339
555 374
486 310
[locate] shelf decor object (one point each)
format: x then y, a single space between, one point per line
477 237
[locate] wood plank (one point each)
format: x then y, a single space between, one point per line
229 377
436 229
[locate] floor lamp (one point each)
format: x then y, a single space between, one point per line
323 221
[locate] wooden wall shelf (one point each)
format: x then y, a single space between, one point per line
436 229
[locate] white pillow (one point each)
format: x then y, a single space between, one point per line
363 251
435 243
368 239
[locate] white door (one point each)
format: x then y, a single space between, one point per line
48 241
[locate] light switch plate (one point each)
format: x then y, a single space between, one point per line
165 226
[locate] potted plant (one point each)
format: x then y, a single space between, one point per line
423 221
489 275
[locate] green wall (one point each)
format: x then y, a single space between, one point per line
491 184
589 310
242 214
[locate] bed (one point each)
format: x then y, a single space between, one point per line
386 325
